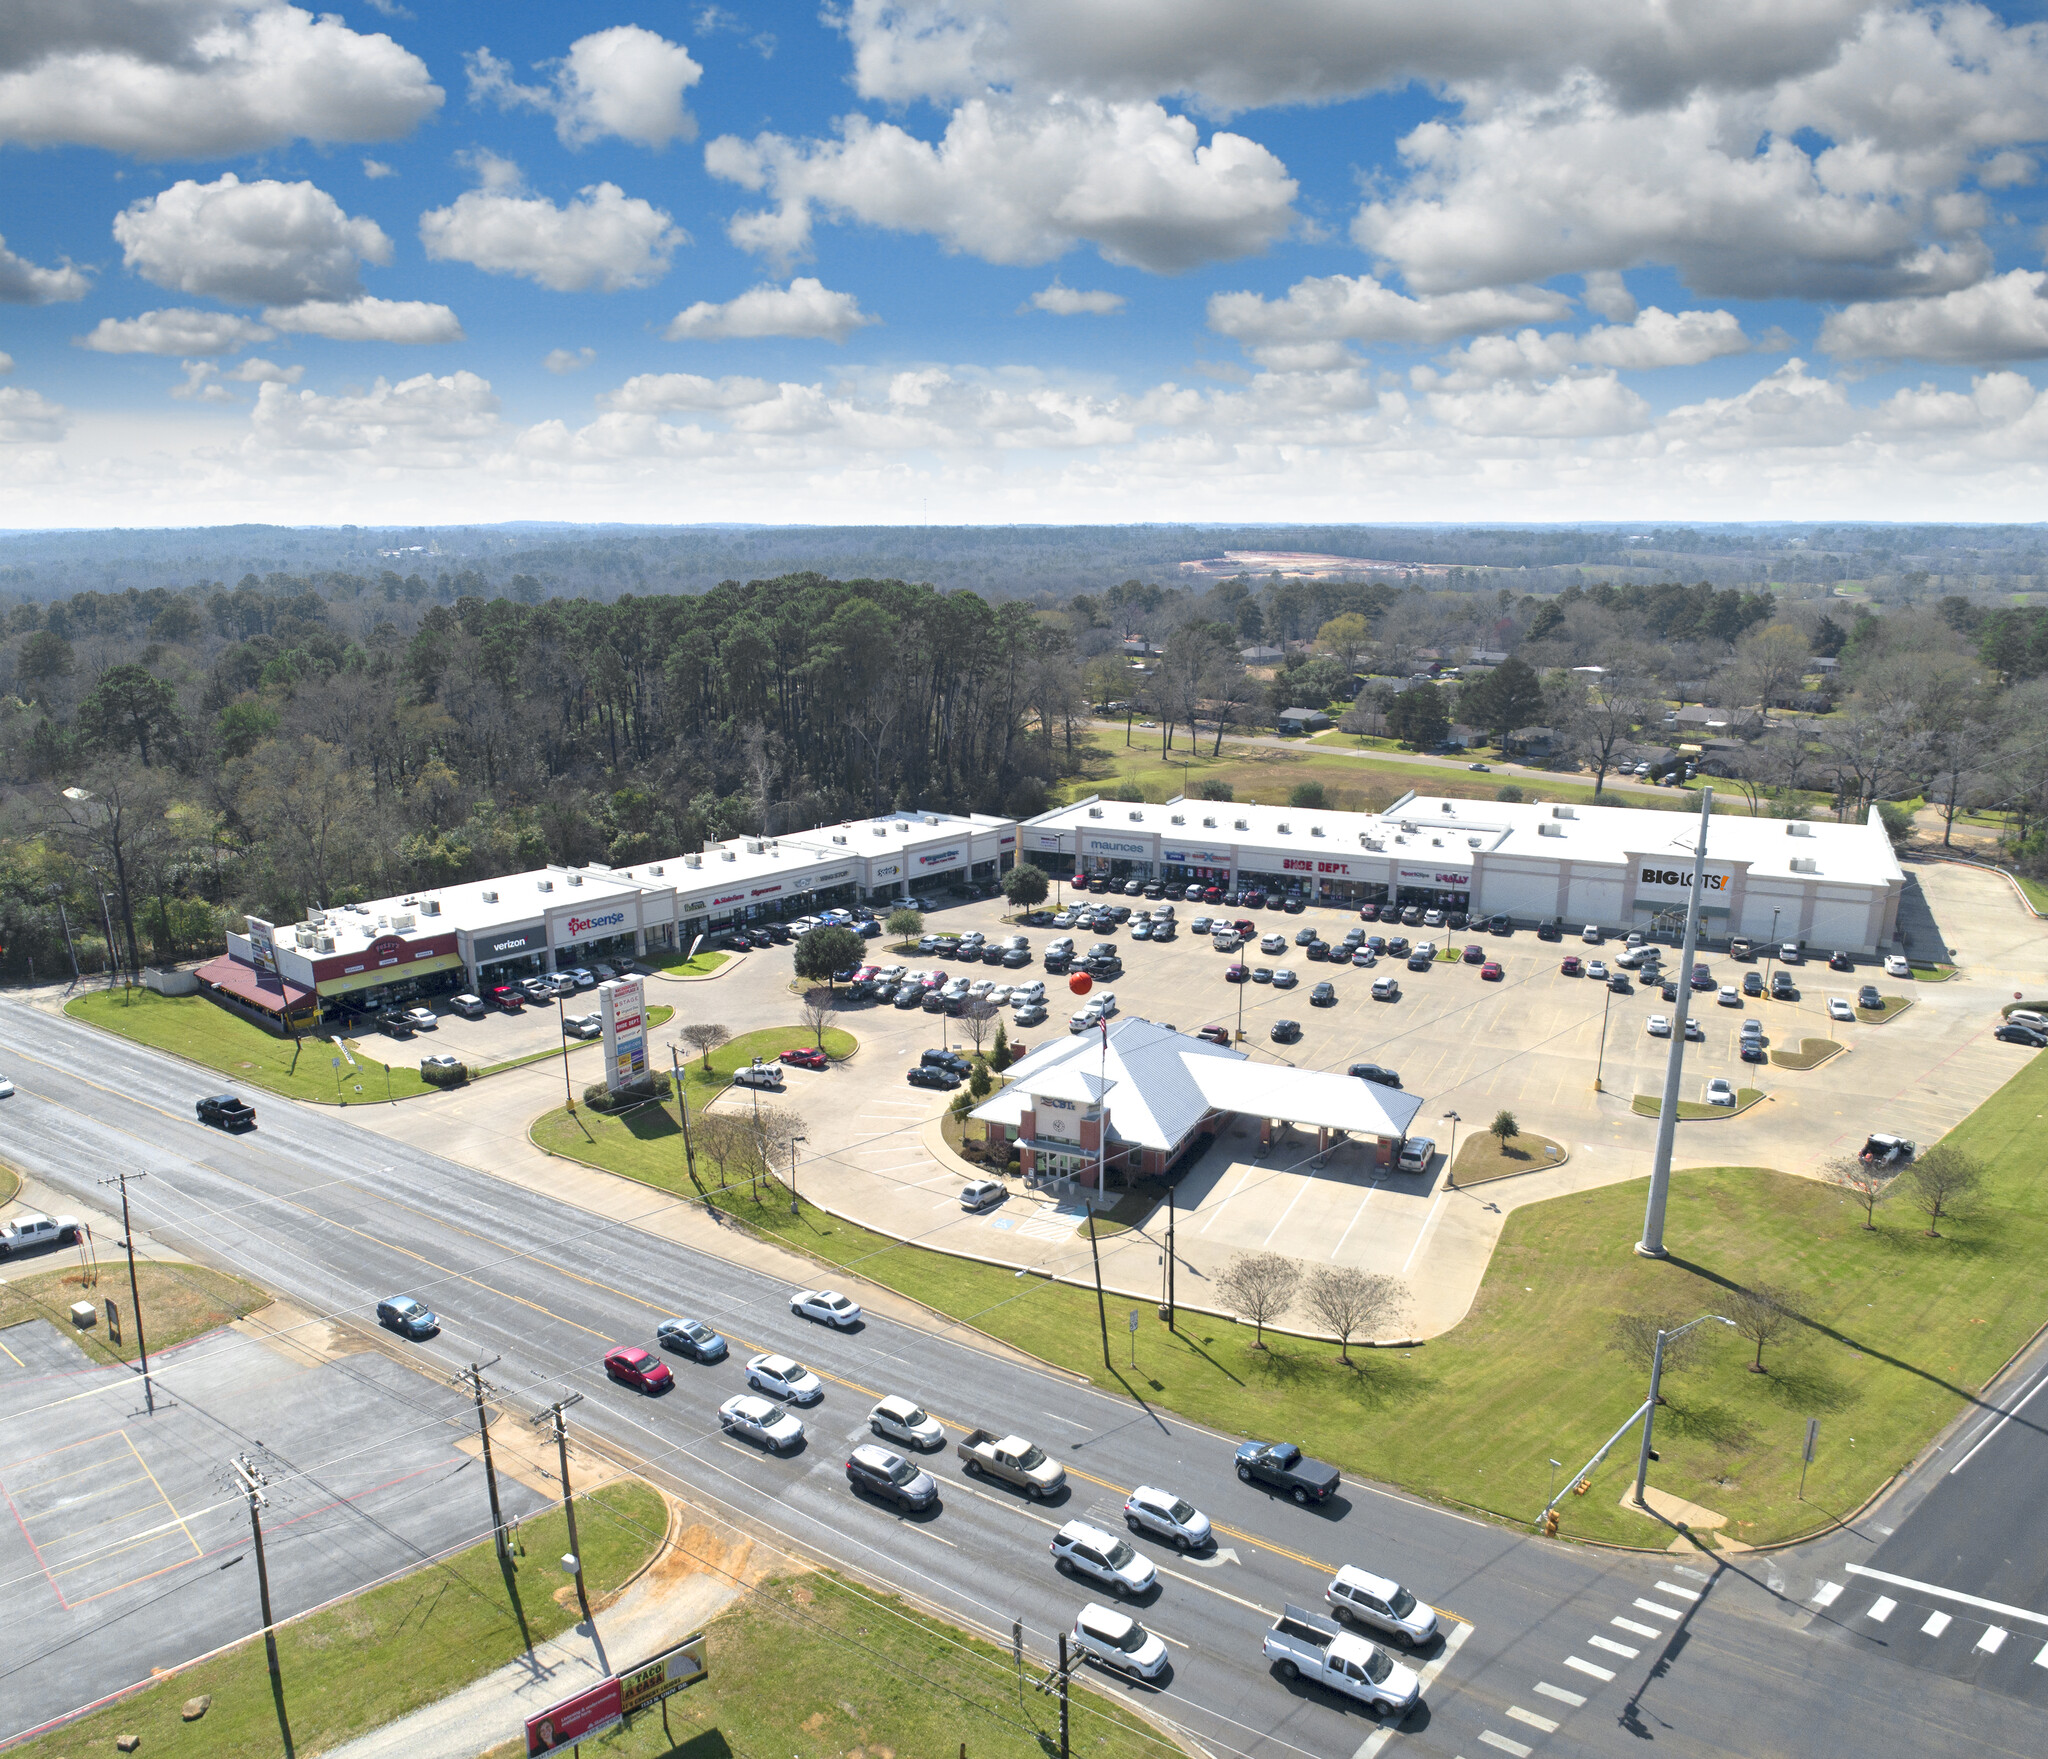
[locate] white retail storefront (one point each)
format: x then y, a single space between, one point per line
1828 886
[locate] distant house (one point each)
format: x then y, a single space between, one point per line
1259 656
1662 759
1138 646
1700 719
1303 720
1487 656
1818 667
1464 737
1533 741
1589 672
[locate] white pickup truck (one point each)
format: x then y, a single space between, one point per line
1304 1645
28 1232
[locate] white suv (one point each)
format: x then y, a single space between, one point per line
1384 1604
1078 1548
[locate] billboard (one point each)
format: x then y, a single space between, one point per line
666 1673
620 1007
588 1714
263 944
1654 879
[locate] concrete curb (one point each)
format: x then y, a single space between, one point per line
2019 894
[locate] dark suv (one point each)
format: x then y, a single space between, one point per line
1373 1072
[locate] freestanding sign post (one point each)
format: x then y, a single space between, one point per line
624 1014
591 1712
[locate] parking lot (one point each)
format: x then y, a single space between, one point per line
492 1038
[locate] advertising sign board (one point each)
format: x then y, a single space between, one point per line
621 1010
1654 878
588 1714
263 944
666 1673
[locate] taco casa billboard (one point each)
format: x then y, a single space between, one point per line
621 1008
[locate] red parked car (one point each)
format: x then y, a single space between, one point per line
1475 954
506 997
634 1367
1247 930
1080 882
1238 974
1215 1034
1368 913
1490 971
1571 966
806 1057
1213 895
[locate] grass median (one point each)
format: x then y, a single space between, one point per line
1694 1111
1812 1052
696 965
179 1301
385 1652
1899 1332
814 1664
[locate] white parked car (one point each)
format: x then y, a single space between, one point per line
981 1194
1596 971
906 1421
1081 1549
1895 965
782 1378
584 1025
1416 1154
6 1088
1173 1518
1027 992
1660 1025
1839 1009
827 1305
759 1421
1729 996
1720 1092
421 1019
584 976
998 996
1365 1599
1118 1641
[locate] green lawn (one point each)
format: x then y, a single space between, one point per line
1812 1052
1901 1330
1932 973
193 1027
1648 1105
385 1653
813 1665
1483 1157
1893 1005
680 966
10 1183
179 1301
2036 893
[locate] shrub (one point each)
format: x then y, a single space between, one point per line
1215 791
1310 795
454 1077
1509 793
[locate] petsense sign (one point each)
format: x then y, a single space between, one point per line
1677 881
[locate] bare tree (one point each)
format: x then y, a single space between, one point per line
1866 755
819 1006
116 826
1764 1314
704 1037
1869 1182
1942 1182
1347 1301
1259 1286
723 1140
773 1133
1633 1336
1603 720
1956 780
1768 662
977 1021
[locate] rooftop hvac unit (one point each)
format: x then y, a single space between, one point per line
1209 823
324 944
430 907
1448 807
1409 828
405 922
1286 830
1375 844
903 824
657 871
1797 828
836 839
1564 812
547 885
575 879
1550 830
302 936
1471 842
384 924
931 818
756 848
1805 864
727 855
1179 818
1095 812
693 861
1137 818
1315 830
490 897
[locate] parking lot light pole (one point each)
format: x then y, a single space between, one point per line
1651 1245
1451 1164
562 1024
793 1141
1650 1410
1600 1066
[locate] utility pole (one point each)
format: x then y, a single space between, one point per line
134 1292
1650 1409
794 1140
1651 1245
1063 1695
1166 1281
251 1480
64 922
472 1378
1451 1164
562 1024
553 1415
114 963
683 1112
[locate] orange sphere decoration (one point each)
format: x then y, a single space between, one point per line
1080 983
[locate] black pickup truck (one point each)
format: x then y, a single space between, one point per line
1283 1466
227 1111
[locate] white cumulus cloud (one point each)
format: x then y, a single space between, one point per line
656 393
602 238
1023 183
177 79
1324 311
174 330
806 308
1568 408
569 360
25 283
2004 318
1071 302
625 81
366 319
282 242
29 418
1657 338
423 422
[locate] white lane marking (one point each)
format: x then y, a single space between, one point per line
1380 1736
1428 1222
1882 1608
928 1533
1635 1625
1993 1639
1687 1570
1598 1672
1225 1204
1614 1648
1355 1214
1673 1588
1217 1559
1574 1699
1057 1418
1999 1606
1547 1724
1285 1213
2041 1660
1663 1612
1826 1593
1504 1744
2003 1419
1937 1622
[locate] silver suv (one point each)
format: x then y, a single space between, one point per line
1080 1549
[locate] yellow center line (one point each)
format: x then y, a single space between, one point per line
197 1549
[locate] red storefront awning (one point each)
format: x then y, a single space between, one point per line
245 983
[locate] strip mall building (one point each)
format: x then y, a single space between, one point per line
1828 886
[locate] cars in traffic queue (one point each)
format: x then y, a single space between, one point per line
827 1307
882 1472
982 1194
805 1056
1013 1459
1148 1509
691 1338
1361 1598
408 1317
782 1377
1281 1465
639 1369
760 1421
1115 1640
905 1420
226 1112
1305 1645
1082 1549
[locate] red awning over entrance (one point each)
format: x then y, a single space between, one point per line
262 990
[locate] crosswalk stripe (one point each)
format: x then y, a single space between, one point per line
2041 1660
1673 1588
1607 1673
1641 1630
1663 1612
1574 1699
1882 1608
1993 1640
1547 1724
1614 1648
1826 1593
1504 1744
1937 1622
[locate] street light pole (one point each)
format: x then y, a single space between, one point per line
793 1141
1600 1066
1650 1409
562 1025
1451 1165
1651 1245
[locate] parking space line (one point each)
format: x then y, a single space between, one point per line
1353 1222
1937 1622
1517 1748
1303 1182
197 1549
76 1502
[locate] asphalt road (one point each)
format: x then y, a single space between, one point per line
1560 1647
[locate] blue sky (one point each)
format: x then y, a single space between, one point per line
992 260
